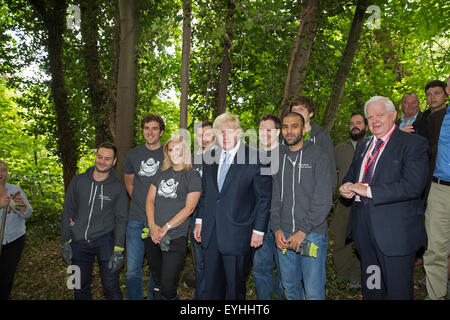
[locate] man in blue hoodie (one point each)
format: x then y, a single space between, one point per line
301 201
94 223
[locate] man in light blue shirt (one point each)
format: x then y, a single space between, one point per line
410 106
442 169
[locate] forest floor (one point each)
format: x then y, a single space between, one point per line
42 275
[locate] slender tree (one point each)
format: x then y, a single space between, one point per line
185 61
301 52
126 86
225 66
53 15
345 65
99 110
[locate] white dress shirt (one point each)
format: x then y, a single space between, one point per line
373 142
232 154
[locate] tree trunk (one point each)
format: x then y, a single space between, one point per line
53 14
225 67
345 65
113 76
97 90
301 51
185 61
126 86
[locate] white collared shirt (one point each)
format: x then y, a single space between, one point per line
372 146
232 154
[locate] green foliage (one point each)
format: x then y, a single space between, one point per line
31 166
411 48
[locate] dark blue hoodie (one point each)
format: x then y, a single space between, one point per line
94 208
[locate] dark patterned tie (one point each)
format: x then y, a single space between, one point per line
372 159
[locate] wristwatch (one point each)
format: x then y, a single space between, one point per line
168 226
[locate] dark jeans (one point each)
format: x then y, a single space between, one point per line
166 265
9 260
84 254
266 281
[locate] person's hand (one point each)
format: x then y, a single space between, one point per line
360 189
198 233
4 201
256 240
409 128
280 240
116 260
66 252
155 233
21 206
296 240
346 191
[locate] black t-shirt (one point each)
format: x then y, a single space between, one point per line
144 164
172 188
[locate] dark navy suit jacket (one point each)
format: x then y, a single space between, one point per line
396 209
242 205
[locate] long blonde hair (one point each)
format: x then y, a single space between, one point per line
167 163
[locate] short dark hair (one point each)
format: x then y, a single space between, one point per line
153 117
304 101
269 116
359 114
436 83
108 145
295 114
205 124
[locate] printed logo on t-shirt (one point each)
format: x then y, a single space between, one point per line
168 189
200 171
149 167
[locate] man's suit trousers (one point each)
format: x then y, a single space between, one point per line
396 271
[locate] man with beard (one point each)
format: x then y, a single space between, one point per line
94 222
301 201
348 266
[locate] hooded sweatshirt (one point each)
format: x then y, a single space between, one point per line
94 208
321 138
301 193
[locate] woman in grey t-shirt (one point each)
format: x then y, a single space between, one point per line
172 198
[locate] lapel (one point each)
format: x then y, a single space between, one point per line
215 167
386 156
234 167
364 149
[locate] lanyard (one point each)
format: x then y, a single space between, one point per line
372 158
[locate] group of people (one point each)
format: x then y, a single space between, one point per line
264 210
